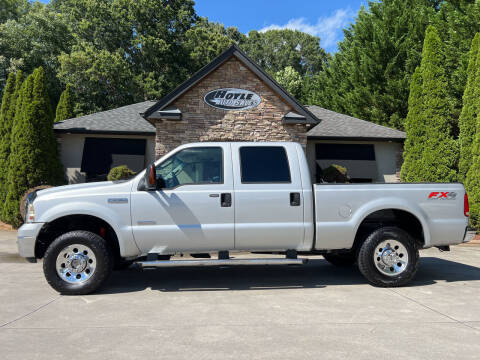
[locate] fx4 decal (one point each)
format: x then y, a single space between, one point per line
442 195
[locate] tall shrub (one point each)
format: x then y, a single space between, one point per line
5 130
429 125
468 116
472 180
34 158
415 130
440 154
65 105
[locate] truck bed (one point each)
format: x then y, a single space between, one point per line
340 209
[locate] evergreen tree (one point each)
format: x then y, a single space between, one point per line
469 112
440 153
430 151
34 158
5 129
7 114
415 130
472 180
369 77
65 105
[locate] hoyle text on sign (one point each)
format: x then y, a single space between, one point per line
232 99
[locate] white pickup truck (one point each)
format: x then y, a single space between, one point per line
219 197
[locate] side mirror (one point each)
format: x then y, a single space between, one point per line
150 178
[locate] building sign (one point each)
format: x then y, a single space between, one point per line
232 99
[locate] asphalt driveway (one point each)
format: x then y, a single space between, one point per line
312 312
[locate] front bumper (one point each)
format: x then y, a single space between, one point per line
469 235
26 238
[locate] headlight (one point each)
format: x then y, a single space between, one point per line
30 214
29 209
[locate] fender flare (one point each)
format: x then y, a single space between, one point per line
393 203
124 234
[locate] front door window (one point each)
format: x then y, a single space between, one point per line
197 165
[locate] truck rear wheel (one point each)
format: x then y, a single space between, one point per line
389 257
341 259
77 263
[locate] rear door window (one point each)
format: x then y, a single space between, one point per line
264 164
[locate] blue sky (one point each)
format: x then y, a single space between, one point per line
323 18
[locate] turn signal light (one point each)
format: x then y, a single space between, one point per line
466 206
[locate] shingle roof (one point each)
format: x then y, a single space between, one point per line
122 120
334 125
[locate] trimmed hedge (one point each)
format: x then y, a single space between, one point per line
121 172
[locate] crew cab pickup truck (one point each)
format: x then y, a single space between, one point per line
217 197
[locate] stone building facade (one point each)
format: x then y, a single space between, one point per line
201 122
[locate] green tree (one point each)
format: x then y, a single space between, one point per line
290 80
429 129
369 77
34 158
65 105
5 132
12 9
100 79
440 155
472 180
36 37
206 40
415 130
468 116
274 50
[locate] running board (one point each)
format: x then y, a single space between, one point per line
220 262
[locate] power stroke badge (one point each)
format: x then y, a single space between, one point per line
232 99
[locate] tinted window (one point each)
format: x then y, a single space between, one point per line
345 152
264 164
200 165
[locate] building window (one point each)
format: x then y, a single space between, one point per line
101 154
358 159
345 152
192 166
264 164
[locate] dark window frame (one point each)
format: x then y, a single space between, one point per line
203 182
265 182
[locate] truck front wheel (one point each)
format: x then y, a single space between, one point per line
389 257
77 263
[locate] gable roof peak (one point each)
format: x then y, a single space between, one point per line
233 50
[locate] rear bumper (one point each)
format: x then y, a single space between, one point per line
26 238
469 235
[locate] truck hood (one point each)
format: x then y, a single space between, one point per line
78 187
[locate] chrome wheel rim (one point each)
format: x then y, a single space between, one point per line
391 257
76 263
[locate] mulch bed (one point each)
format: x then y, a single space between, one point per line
7 227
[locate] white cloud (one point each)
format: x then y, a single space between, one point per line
329 28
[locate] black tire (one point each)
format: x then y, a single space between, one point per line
365 257
103 269
341 259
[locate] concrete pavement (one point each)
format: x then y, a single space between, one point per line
315 311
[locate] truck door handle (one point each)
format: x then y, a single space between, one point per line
226 200
294 199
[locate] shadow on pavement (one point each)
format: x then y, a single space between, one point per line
317 274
